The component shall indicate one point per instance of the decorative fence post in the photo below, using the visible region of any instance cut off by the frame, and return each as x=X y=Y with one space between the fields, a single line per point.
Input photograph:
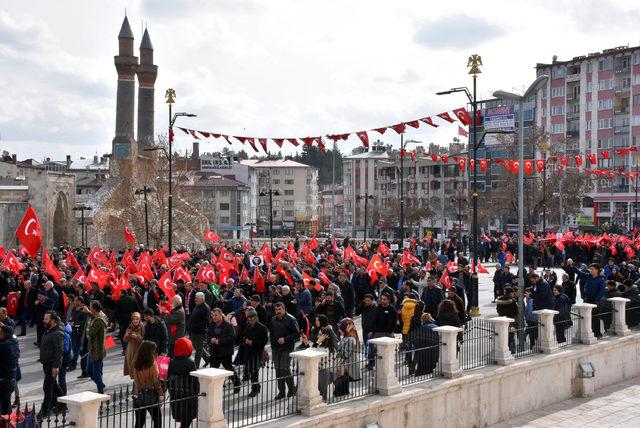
x=83 y=408
x=619 y=305
x=448 y=354
x=386 y=378
x=503 y=353
x=546 y=330
x=309 y=399
x=210 y=414
x=585 y=331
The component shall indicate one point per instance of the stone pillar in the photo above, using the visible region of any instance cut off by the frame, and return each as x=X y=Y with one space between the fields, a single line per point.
x=503 y=353
x=309 y=399
x=448 y=352
x=585 y=331
x=210 y=414
x=547 y=330
x=386 y=378
x=83 y=408
x=619 y=323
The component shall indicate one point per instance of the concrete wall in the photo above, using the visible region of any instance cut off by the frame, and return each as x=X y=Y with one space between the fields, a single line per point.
x=10 y=216
x=486 y=396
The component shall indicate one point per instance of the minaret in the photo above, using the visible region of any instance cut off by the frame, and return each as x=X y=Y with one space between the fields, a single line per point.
x=124 y=144
x=147 y=73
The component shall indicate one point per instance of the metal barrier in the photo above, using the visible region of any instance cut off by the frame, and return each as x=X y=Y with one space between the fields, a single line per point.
x=524 y=341
x=30 y=415
x=633 y=314
x=567 y=331
x=477 y=347
x=418 y=359
x=256 y=398
x=343 y=379
x=176 y=407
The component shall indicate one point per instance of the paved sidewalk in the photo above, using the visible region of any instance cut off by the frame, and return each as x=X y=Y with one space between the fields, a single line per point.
x=615 y=406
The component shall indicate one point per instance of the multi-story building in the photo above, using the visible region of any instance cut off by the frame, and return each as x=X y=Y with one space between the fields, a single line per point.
x=332 y=201
x=591 y=104
x=434 y=193
x=295 y=200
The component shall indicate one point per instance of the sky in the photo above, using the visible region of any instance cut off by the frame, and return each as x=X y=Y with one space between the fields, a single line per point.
x=279 y=68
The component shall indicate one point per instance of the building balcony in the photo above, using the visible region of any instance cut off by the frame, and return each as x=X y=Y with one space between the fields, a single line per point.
x=573 y=133
x=621 y=110
x=572 y=96
x=621 y=129
x=573 y=116
x=620 y=188
x=622 y=69
x=621 y=89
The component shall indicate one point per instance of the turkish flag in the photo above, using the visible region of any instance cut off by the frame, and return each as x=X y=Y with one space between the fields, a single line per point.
x=244 y=275
x=399 y=128
x=109 y=343
x=3 y=252
x=559 y=245
x=592 y=159
x=258 y=280
x=29 y=232
x=182 y=274
x=294 y=142
x=510 y=258
x=507 y=165
x=12 y=304
x=604 y=154
x=446 y=117
x=462 y=162
x=206 y=274
x=129 y=236
x=364 y=138
x=483 y=165
x=267 y=255
x=12 y=262
x=539 y=165
x=306 y=279
x=97 y=276
x=445 y=159
x=481 y=269
x=463 y=116
x=564 y=160
x=515 y=166
x=166 y=285
x=80 y=276
x=280 y=271
x=429 y=121
x=408 y=258
x=578 y=160
x=528 y=166
x=72 y=261
x=445 y=279
x=22 y=251
x=96 y=256
x=383 y=249
x=324 y=278
x=313 y=244
x=613 y=249
x=49 y=268
x=377 y=265
x=263 y=143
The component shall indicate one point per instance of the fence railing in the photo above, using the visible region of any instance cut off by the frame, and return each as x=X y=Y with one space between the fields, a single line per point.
x=477 y=347
x=567 y=330
x=418 y=358
x=632 y=314
x=31 y=414
x=524 y=341
x=261 y=393
x=602 y=321
x=343 y=377
x=175 y=406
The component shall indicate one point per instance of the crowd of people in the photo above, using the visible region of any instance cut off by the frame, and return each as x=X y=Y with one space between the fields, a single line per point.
x=238 y=307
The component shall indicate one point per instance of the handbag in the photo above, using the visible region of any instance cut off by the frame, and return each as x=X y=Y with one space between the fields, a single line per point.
x=163 y=366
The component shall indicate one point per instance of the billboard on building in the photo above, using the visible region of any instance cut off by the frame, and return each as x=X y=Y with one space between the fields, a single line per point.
x=498 y=119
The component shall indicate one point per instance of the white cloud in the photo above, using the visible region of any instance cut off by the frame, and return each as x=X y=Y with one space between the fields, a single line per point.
x=278 y=68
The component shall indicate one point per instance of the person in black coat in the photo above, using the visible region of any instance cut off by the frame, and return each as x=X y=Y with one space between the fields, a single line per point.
x=156 y=331
x=222 y=336
x=348 y=294
x=562 y=319
x=569 y=288
x=125 y=307
x=8 y=368
x=541 y=294
x=199 y=322
x=254 y=338
x=432 y=295
x=183 y=388
x=284 y=335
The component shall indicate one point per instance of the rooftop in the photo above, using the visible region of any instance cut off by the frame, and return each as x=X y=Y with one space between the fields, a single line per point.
x=206 y=179
x=369 y=155
x=620 y=50
x=273 y=163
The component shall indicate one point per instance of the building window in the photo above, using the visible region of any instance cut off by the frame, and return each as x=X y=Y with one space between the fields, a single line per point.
x=289 y=181
x=604 y=206
x=224 y=220
x=224 y=206
x=589 y=86
x=636 y=58
x=558 y=72
x=288 y=171
x=636 y=120
x=605 y=64
x=288 y=203
x=605 y=104
x=288 y=192
x=557 y=128
x=605 y=123
x=288 y=213
x=605 y=84
x=589 y=105
x=604 y=143
x=589 y=67
x=275 y=181
x=557 y=110
x=557 y=92
x=588 y=126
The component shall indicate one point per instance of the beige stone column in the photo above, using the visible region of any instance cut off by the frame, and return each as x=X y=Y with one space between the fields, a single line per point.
x=309 y=399
x=585 y=332
x=448 y=355
x=547 y=330
x=619 y=321
x=83 y=408
x=501 y=326
x=386 y=378
x=210 y=414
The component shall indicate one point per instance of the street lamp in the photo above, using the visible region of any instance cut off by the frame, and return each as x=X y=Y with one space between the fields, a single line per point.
x=144 y=191
x=366 y=198
x=271 y=194
x=474 y=63
x=83 y=232
x=520 y=99
x=170 y=99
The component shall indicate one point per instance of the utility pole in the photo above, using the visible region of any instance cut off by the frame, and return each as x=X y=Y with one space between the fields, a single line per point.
x=402 y=188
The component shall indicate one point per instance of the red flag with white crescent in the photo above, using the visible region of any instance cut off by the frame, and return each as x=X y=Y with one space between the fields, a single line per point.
x=49 y=268
x=129 y=236
x=12 y=262
x=166 y=285
x=29 y=232
x=211 y=236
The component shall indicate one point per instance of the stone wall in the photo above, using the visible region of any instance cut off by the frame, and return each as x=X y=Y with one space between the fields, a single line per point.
x=486 y=396
x=10 y=215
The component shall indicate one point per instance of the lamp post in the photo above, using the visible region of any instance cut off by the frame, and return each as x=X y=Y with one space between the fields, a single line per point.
x=366 y=198
x=520 y=99
x=83 y=232
x=170 y=95
x=474 y=63
x=144 y=191
x=271 y=194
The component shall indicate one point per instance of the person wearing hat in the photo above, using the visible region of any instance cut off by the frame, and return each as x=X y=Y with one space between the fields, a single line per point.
x=183 y=388
x=252 y=342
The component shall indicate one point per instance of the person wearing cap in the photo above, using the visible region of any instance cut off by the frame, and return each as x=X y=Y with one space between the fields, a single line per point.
x=252 y=342
x=183 y=388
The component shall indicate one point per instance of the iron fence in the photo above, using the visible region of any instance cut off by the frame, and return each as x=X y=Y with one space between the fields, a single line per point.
x=176 y=405
x=524 y=341
x=262 y=393
x=343 y=377
x=632 y=313
x=566 y=330
x=602 y=321
x=33 y=415
x=477 y=345
x=418 y=358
